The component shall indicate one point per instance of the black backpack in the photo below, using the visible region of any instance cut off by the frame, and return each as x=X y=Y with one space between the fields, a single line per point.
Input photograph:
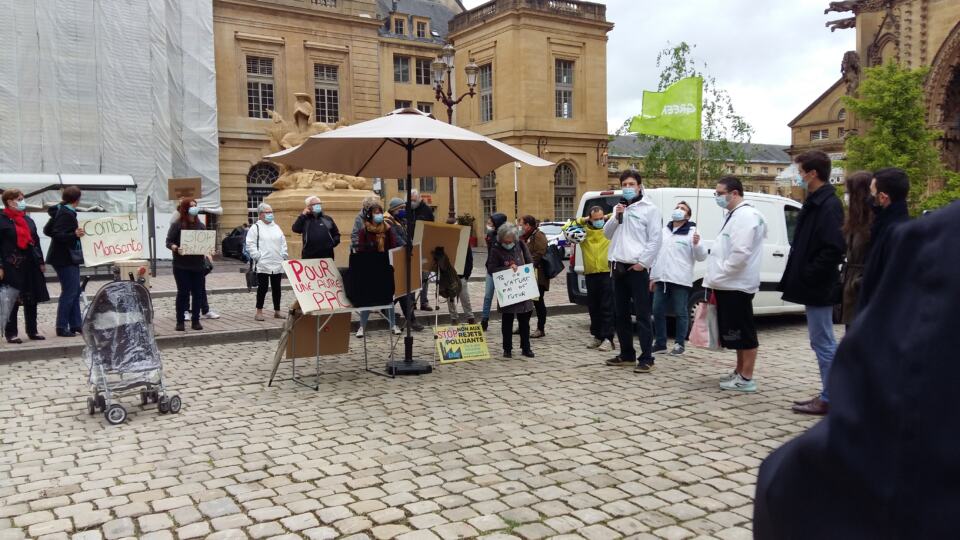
x=552 y=262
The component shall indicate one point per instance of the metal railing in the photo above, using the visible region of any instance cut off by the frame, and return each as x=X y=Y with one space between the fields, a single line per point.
x=569 y=8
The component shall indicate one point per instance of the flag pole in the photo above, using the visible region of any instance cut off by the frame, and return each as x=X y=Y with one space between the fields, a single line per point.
x=699 y=162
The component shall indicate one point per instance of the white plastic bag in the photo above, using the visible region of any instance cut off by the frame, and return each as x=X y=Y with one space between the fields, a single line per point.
x=8 y=299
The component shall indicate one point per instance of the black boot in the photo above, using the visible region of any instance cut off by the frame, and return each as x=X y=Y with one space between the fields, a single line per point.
x=180 y=327
x=484 y=323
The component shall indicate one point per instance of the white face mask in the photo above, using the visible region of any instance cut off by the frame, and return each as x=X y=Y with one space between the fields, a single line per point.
x=846 y=199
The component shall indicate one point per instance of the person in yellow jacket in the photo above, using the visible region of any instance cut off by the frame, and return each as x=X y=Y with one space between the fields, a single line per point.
x=593 y=248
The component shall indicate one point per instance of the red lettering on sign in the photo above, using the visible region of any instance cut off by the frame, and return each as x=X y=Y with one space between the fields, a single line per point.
x=297 y=268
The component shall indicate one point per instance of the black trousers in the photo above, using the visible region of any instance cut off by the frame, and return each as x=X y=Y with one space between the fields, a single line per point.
x=29 y=320
x=541 y=307
x=506 y=330
x=189 y=287
x=600 y=305
x=632 y=297
x=273 y=281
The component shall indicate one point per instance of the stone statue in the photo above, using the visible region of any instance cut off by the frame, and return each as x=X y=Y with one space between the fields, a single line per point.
x=285 y=135
x=841 y=24
x=841 y=7
x=850 y=68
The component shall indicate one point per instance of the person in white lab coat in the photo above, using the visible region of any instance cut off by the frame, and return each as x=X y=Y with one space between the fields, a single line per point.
x=733 y=274
x=267 y=246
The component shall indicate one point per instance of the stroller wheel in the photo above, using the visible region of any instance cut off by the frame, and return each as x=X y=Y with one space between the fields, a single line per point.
x=101 y=402
x=91 y=406
x=163 y=405
x=115 y=414
x=173 y=404
x=154 y=396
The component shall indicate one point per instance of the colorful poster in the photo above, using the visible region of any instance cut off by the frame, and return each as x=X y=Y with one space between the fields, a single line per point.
x=197 y=242
x=109 y=239
x=514 y=287
x=317 y=285
x=461 y=343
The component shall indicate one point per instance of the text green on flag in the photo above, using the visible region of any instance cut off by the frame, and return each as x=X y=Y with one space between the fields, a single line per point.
x=674 y=113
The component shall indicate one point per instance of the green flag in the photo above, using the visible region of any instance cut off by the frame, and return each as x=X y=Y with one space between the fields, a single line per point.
x=674 y=113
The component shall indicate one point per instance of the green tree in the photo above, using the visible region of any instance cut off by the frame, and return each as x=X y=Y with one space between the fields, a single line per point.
x=891 y=107
x=725 y=133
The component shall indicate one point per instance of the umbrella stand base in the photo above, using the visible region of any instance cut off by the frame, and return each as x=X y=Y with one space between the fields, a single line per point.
x=399 y=367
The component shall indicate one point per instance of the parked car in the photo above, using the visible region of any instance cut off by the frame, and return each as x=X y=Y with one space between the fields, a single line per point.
x=233 y=244
x=552 y=230
x=780 y=214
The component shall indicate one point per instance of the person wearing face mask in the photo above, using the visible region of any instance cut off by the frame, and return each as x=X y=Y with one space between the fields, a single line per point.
x=422 y=212
x=596 y=270
x=811 y=277
x=635 y=239
x=537 y=244
x=360 y=221
x=21 y=264
x=396 y=218
x=188 y=270
x=856 y=232
x=378 y=235
x=205 y=310
x=319 y=232
x=511 y=253
x=672 y=277
x=888 y=194
x=733 y=276
x=494 y=221
x=267 y=246
x=65 y=256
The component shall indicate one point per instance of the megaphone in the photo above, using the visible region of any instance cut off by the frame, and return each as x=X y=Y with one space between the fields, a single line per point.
x=218 y=211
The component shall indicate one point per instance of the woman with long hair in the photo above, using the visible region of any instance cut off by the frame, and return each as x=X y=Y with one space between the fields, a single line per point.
x=856 y=231
x=188 y=270
x=65 y=256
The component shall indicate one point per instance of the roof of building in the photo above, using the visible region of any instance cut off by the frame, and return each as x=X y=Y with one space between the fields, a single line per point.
x=438 y=11
x=815 y=102
x=630 y=146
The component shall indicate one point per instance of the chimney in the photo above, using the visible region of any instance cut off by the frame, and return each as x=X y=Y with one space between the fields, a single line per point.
x=395 y=7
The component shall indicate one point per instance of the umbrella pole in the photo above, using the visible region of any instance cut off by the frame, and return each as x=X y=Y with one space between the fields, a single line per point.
x=408 y=366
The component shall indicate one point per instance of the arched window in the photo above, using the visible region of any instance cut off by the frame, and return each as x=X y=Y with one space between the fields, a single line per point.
x=260 y=181
x=488 y=194
x=842 y=115
x=564 y=191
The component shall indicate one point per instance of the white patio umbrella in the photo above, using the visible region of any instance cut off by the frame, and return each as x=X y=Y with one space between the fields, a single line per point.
x=404 y=143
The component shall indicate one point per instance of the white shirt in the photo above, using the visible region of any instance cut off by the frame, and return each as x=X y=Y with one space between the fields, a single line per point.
x=677 y=257
x=268 y=257
x=638 y=239
x=736 y=255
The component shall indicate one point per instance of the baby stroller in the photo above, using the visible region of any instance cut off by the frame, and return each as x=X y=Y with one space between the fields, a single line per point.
x=121 y=351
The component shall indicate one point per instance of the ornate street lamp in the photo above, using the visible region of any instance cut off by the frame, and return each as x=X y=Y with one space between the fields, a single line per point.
x=440 y=69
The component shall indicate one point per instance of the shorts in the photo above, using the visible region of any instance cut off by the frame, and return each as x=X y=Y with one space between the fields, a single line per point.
x=735 y=320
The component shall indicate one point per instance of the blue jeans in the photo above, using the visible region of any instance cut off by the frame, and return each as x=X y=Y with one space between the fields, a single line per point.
x=68 y=307
x=388 y=313
x=488 y=297
x=676 y=297
x=631 y=293
x=822 y=341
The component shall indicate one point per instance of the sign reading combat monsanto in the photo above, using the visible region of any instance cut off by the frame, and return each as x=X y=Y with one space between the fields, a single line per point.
x=109 y=239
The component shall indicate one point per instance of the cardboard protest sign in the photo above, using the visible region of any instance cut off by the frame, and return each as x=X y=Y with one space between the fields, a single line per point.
x=334 y=338
x=317 y=285
x=454 y=239
x=398 y=260
x=461 y=343
x=195 y=242
x=111 y=238
x=515 y=287
x=180 y=188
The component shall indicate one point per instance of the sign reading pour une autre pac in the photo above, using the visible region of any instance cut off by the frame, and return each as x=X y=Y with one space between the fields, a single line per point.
x=109 y=239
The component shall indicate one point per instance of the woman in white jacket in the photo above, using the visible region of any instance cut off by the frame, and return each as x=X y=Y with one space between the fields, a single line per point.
x=672 y=276
x=267 y=247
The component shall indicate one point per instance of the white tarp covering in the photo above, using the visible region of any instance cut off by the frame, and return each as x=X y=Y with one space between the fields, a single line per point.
x=110 y=87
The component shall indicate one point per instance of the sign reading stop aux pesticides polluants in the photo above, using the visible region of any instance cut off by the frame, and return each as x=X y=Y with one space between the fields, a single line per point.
x=111 y=238
x=513 y=287
x=317 y=284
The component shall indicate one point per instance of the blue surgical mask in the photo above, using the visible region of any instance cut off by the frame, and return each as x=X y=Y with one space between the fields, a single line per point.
x=629 y=193
x=268 y=217
x=21 y=205
x=401 y=214
x=598 y=223
x=678 y=215
x=799 y=181
x=722 y=201
x=378 y=218
x=194 y=211
x=318 y=208
x=509 y=246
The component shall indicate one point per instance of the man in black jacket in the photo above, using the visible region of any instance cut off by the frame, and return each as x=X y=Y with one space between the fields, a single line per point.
x=320 y=232
x=812 y=275
x=889 y=189
x=422 y=212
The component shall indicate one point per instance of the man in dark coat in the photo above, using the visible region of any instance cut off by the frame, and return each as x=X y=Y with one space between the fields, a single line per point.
x=889 y=189
x=883 y=464
x=812 y=275
x=422 y=212
x=320 y=232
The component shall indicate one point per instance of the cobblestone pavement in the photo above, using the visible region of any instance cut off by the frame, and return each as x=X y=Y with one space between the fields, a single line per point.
x=557 y=446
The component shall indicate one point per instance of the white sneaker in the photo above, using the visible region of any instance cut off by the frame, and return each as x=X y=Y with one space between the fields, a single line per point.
x=594 y=343
x=360 y=332
x=211 y=315
x=739 y=384
x=606 y=346
x=728 y=377
x=396 y=330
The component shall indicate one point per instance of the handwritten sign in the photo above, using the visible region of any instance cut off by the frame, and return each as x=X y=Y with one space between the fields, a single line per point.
x=193 y=242
x=515 y=287
x=461 y=343
x=317 y=285
x=179 y=188
x=110 y=239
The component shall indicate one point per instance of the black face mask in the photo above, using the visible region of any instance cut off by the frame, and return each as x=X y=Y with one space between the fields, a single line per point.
x=872 y=200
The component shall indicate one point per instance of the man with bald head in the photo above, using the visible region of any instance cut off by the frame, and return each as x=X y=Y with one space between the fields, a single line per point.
x=319 y=231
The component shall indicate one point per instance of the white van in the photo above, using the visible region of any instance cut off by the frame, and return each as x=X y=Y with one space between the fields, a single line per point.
x=780 y=214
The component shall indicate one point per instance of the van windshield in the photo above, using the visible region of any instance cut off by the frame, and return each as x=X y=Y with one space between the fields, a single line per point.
x=607 y=203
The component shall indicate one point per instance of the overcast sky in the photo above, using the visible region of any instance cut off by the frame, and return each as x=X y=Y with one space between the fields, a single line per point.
x=773 y=56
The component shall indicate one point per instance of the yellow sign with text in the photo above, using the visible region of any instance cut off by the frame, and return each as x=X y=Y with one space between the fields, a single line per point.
x=462 y=343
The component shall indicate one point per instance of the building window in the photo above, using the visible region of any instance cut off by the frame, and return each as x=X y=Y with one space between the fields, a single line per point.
x=779 y=169
x=422 y=29
x=428 y=184
x=748 y=170
x=564 y=90
x=840 y=132
x=401 y=104
x=732 y=169
x=819 y=134
x=425 y=107
x=324 y=3
x=326 y=90
x=401 y=184
x=398 y=27
x=486 y=92
x=260 y=181
x=564 y=191
x=259 y=86
x=764 y=170
x=842 y=115
x=614 y=165
x=488 y=195
x=423 y=72
x=401 y=69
